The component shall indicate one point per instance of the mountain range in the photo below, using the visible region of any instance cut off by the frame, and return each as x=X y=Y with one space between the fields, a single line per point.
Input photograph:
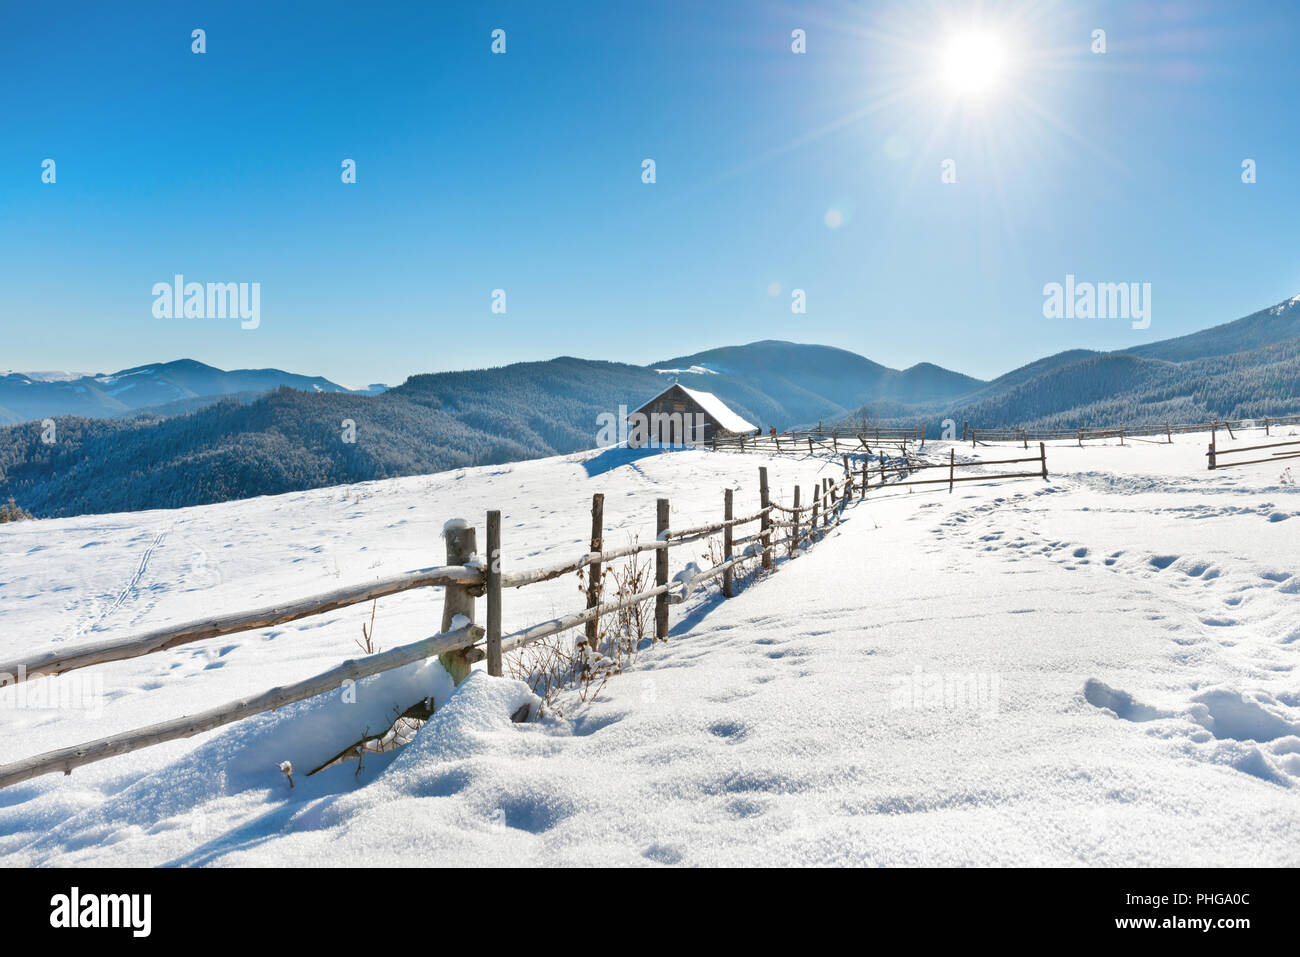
x=183 y=433
x=158 y=387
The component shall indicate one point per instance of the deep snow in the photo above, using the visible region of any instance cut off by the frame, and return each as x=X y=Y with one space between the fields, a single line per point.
x=1099 y=669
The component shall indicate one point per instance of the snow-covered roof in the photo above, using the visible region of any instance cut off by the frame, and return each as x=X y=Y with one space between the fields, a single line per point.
x=720 y=411
x=727 y=420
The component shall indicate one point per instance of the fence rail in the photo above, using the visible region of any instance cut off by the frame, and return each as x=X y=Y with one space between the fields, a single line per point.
x=952 y=465
x=835 y=441
x=61 y=660
x=65 y=759
x=466 y=577
x=1168 y=430
x=1215 y=454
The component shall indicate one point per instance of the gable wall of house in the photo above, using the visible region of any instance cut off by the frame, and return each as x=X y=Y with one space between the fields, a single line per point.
x=676 y=401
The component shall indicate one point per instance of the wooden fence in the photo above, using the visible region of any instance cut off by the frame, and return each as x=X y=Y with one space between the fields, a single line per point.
x=952 y=465
x=466 y=576
x=903 y=464
x=835 y=441
x=1215 y=454
x=1080 y=435
x=460 y=642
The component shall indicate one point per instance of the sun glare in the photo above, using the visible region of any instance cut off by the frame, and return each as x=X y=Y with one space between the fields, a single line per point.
x=973 y=63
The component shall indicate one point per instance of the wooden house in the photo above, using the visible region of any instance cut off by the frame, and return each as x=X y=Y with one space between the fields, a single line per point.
x=682 y=416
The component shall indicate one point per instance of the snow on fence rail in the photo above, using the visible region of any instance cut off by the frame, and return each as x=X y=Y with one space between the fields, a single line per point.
x=161 y=639
x=465 y=577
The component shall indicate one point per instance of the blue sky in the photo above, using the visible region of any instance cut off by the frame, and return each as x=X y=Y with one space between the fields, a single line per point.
x=522 y=172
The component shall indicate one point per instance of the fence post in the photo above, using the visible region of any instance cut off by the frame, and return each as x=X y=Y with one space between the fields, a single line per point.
x=816 y=500
x=493 y=579
x=661 y=570
x=1042 y=454
x=764 y=522
x=835 y=439
x=727 y=577
x=1211 y=453
x=810 y=449
x=595 y=571
x=964 y=424
x=952 y=466
x=1169 y=433
x=826 y=503
x=794 y=531
x=1266 y=425
x=462 y=542
x=881 y=453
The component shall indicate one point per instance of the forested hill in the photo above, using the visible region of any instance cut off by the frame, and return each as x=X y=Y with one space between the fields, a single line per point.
x=1245 y=369
x=161 y=388
x=290 y=439
x=200 y=448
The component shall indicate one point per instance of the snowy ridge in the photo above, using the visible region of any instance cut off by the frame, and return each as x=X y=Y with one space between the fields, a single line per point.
x=1285 y=306
x=692 y=370
x=53 y=376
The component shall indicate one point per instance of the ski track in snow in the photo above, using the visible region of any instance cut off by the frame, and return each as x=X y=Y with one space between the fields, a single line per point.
x=133 y=586
x=1115 y=664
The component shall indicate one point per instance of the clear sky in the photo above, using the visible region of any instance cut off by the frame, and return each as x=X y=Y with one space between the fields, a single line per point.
x=522 y=171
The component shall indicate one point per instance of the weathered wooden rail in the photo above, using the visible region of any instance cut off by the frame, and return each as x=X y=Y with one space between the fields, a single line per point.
x=902 y=463
x=65 y=759
x=1083 y=434
x=814 y=441
x=1215 y=454
x=952 y=465
x=466 y=576
x=60 y=660
x=459 y=644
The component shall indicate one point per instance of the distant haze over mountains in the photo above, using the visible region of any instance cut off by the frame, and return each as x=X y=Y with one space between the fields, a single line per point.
x=183 y=433
x=38 y=395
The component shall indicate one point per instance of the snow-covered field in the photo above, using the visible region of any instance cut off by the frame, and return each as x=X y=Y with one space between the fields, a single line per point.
x=1096 y=669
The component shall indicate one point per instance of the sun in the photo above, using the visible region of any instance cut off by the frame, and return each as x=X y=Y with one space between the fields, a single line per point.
x=973 y=63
